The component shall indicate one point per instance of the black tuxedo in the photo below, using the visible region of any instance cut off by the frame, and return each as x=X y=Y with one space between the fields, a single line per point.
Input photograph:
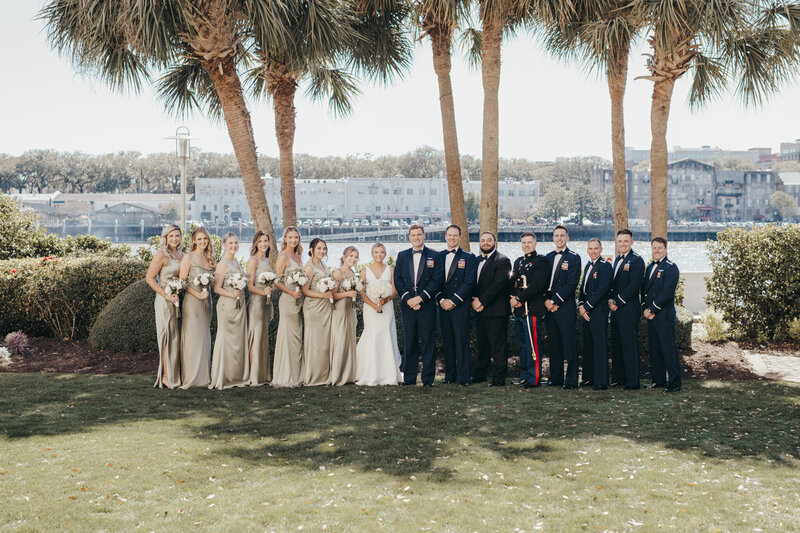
x=458 y=286
x=492 y=291
x=658 y=295
x=561 y=324
x=593 y=296
x=625 y=285
x=419 y=325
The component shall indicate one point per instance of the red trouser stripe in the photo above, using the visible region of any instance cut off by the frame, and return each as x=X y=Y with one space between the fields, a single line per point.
x=534 y=348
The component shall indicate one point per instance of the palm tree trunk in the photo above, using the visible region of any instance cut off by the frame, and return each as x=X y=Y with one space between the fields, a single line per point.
x=659 y=117
x=283 y=100
x=440 y=42
x=617 y=79
x=490 y=70
x=240 y=129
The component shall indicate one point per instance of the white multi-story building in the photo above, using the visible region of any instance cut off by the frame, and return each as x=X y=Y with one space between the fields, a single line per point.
x=400 y=198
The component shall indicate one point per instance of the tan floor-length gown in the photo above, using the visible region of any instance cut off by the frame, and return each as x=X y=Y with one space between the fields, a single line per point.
x=196 y=333
x=317 y=335
x=168 y=330
x=229 y=364
x=259 y=314
x=287 y=370
x=343 y=338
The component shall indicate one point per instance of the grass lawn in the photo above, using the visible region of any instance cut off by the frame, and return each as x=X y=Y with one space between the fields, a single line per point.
x=85 y=452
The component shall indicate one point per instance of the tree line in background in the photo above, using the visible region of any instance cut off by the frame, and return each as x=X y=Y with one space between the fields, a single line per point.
x=214 y=55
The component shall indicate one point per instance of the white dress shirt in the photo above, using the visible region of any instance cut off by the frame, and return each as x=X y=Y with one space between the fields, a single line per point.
x=417 y=258
x=556 y=260
x=447 y=262
x=589 y=273
x=619 y=264
x=482 y=263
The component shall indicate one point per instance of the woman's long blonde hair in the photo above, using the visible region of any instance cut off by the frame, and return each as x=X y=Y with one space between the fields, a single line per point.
x=208 y=253
x=163 y=245
x=347 y=251
x=298 y=250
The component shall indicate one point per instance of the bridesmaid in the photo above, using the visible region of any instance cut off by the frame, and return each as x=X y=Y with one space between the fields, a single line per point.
x=165 y=265
x=343 y=322
x=196 y=316
x=288 y=369
x=259 y=311
x=229 y=364
x=317 y=315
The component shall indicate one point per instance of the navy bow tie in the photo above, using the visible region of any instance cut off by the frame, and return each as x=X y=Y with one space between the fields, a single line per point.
x=561 y=252
x=416 y=251
x=452 y=251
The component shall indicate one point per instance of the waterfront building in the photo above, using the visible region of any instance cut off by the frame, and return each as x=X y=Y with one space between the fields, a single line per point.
x=705 y=154
x=789 y=182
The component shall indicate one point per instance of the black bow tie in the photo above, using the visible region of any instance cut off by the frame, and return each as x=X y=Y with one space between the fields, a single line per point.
x=621 y=256
x=656 y=263
x=561 y=252
x=452 y=251
x=416 y=251
x=482 y=258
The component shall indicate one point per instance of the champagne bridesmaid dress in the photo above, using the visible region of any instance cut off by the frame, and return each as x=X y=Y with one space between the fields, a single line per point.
x=259 y=314
x=317 y=335
x=168 y=330
x=229 y=364
x=343 y=338
x=196 y=333
x=288 y=368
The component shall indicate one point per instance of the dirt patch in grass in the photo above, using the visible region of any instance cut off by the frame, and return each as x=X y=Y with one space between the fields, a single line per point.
x=75 y=356
x=725 y=361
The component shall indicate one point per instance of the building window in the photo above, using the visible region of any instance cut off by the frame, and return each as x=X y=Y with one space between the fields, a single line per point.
x=377 y=209
x=409 y=191
x=385 y=191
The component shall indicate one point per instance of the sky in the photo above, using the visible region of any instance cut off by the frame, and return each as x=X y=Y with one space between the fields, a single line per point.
x=548 y=108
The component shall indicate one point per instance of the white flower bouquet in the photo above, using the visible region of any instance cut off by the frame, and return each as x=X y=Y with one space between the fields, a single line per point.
x=202 y=282
x=296 y=277
x=350 y=284
x=379 y=289
x=174 y=285
x=236 y=282
x=327 y=284
x=266 y=279
x=5 y=356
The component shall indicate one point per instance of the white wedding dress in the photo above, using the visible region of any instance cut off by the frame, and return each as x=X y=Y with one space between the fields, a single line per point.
x=377 y=355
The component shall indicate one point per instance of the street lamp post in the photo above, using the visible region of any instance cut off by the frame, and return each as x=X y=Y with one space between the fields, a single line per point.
x=182 y=149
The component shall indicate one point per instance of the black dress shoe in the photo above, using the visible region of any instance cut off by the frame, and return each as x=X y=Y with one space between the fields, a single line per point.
x=447 y=382
x=656 y=385
x=478 y=380
x=568 y=387
x=495 y=384
x=427 y=384
x=673 y=389
x=464 y=383
x=551 y=384
x=528 y=385
x=587 y=383
x=519 y=382
x=615 y=384
x=630 y=387
x=600 y=387
x=405 y=384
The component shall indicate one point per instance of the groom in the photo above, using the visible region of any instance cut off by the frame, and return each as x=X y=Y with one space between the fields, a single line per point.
x=418 y=278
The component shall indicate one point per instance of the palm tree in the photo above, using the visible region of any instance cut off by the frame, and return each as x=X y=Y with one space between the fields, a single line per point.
x=751 y=41
x=438 y=20
x=322 y=36
x=201 y=42
x=600 y=35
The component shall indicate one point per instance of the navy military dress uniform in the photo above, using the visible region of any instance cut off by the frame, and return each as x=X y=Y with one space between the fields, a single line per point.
x=593 y=297
x=492 y=290
x=627 y=280
x=529 y=279
x=658 y=295
x=419 y=327
x=566 y=273
x=458 y=286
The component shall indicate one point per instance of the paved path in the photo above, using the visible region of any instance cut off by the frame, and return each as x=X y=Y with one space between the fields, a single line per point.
x=778 y=367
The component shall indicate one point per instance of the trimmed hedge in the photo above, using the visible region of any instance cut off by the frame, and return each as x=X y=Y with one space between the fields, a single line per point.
x=755 y=280
x=61 y=297
x=128 y=322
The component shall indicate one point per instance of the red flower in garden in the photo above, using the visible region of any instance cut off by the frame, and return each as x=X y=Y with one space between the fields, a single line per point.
x=13 y=270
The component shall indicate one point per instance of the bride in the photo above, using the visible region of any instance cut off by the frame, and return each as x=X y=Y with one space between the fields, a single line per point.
x=377 y=355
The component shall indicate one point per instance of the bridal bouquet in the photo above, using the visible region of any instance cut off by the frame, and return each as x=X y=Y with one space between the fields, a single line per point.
x=266 y=278
x=237 y=282
x=202 y=282
x=350 y=284
x=327 y=284
x=379 y=289
x=296 y=277
x=174 y=286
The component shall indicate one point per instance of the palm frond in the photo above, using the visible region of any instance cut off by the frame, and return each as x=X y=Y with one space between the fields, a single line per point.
x=709 y=80
x=186 y=87
x=338 y=86
x=471 y=41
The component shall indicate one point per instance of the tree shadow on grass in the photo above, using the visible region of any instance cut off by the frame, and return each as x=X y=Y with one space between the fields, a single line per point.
x=404 y=431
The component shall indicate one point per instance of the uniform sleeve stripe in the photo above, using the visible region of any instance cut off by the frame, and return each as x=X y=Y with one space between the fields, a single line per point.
x=657 y=307
x=621 y=300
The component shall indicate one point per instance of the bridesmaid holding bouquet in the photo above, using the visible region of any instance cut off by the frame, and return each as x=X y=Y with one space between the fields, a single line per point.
x=288 y=370
x=163 y=270
x=229 y=363
x=317 y=314
x=197 y=270
x=343 y=319
x=259 y=312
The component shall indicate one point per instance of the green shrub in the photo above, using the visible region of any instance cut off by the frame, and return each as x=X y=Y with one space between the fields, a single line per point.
x=714 y=324
x=61 y=296
x=128 y=323
x=755 y=280
x=794 y=330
